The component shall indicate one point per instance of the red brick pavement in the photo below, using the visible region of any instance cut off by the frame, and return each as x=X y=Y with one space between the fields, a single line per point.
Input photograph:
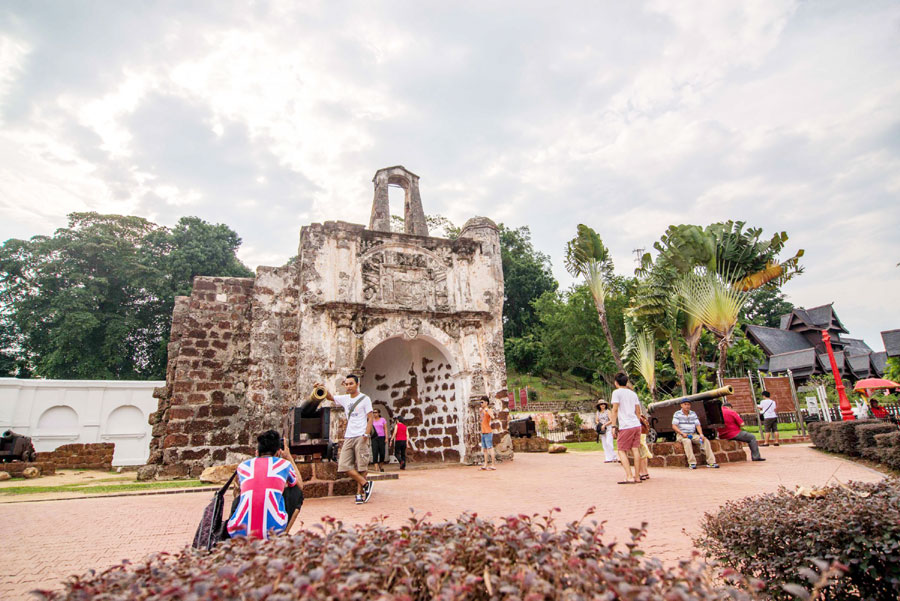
x=56 y=538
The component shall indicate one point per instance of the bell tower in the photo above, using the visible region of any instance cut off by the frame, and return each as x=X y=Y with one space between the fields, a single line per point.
x=413 y=215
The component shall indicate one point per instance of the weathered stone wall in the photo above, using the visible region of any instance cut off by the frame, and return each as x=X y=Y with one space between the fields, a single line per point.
x=243 y=351
x=94 y=456
x=203 y=411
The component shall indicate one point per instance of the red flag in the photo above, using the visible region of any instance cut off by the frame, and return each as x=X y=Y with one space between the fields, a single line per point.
x=512 y=401
x=523 y=397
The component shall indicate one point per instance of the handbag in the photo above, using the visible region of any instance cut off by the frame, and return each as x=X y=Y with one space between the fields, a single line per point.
x=211 y=529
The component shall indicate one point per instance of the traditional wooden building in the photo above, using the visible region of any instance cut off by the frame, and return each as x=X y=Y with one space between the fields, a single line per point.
x=797 y=346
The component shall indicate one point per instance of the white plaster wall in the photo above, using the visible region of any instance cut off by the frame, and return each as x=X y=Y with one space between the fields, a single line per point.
x=58 y=412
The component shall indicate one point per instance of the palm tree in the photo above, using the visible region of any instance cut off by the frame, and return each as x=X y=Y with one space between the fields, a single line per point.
x=640 y=352
x=587 y=257
x=715 y=302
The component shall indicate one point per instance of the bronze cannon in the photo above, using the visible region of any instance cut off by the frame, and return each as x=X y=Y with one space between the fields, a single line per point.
x=707 y=405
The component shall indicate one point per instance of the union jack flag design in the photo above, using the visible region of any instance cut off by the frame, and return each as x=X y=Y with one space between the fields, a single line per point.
x=261 y=505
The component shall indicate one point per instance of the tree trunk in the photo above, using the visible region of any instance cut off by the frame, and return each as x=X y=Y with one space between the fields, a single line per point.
x=601 y=312
x=679 y=364
x=695 y=365
x=723 y=357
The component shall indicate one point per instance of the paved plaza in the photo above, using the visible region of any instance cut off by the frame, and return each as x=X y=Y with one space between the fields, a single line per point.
x=53 y=539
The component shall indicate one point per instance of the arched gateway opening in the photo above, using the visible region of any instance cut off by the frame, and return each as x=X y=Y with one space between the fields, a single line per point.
x=415 y=379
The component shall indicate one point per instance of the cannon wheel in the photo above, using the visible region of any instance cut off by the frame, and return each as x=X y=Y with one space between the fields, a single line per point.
x=652 y=436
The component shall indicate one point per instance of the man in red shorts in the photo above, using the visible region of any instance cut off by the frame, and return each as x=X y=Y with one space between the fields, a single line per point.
x=625 y=415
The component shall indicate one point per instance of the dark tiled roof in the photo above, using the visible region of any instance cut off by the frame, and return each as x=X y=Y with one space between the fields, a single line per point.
x=838 y=358
x=879 y=362
x=777 y=342
x=859 y=365
x=785 y=320
x=856 y=346
x=803 y=362
x=891 y=340
x=820 y=318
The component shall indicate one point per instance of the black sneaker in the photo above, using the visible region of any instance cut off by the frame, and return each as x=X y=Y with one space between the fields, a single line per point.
x=759 y=459
x=360 y=499
x=367 y=491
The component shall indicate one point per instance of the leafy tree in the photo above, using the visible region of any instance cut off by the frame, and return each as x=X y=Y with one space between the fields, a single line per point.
x=571 y=336
x=526 y=276
x=765 y=306
x=94 y=301
x=588 y=257
x=892 y=369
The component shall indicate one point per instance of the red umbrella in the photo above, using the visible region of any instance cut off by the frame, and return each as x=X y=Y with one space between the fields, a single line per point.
x=874 y=384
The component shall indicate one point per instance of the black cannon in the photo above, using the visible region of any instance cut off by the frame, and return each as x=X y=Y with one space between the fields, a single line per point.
x=522 y=428
x=15 y=447
x=707 y=405
x=308 y=430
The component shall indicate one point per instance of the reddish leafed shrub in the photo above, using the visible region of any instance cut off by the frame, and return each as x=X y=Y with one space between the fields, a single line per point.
x=775 y=537
x=522 y=557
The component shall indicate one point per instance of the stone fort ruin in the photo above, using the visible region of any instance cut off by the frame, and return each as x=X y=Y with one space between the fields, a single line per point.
x=418 y=318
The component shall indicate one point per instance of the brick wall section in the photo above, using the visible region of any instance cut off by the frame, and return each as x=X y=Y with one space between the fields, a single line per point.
x=320 y=479
x=94 y=456
x=16 y=468
x=742 y=399
x=274 y=348
x=780 y=389
x=203 y=415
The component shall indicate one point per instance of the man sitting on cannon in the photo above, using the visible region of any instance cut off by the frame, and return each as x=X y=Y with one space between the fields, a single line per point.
x=687 y=427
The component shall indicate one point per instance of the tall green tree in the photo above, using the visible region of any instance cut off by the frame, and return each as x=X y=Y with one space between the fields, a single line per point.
x=94 y=301
x=765 y=306
x=526 y=276
x=588 y=257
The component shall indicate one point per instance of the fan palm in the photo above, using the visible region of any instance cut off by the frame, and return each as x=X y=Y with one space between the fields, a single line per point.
x=712 y=300
x=587 y=257
x=640 y=352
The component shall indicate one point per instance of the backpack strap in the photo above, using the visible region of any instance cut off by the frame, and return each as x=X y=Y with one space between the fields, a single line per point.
x=224 y=489
x=353 y=407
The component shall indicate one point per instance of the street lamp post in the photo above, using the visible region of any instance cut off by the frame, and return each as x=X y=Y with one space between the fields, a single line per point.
x=846 y=409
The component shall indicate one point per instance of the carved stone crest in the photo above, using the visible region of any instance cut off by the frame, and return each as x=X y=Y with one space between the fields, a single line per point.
x=411 y=327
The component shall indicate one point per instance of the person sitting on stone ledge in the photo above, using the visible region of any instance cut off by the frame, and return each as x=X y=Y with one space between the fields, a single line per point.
x=732 y=431
x=261 y=509
x=687 y=427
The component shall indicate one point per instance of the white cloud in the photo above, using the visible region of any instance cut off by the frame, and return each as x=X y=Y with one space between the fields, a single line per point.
x=624 y=116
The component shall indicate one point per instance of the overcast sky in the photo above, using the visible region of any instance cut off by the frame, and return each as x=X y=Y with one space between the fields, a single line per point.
x=625 y=116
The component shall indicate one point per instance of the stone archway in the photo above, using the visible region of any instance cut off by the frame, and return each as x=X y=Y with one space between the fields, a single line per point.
x=415 y=379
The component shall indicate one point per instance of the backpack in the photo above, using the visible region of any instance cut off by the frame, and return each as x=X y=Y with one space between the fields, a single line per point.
x=211 y=529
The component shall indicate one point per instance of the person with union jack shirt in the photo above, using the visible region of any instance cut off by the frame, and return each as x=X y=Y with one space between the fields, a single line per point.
x=261 y=510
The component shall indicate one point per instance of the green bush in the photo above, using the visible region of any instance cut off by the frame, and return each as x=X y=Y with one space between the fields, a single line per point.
x=866 y=432
x=774 y=537
x=518 y=557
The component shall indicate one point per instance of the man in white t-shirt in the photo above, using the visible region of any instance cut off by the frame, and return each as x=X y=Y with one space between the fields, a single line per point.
x=356 y=451
x=770 y=418
x=625 y=419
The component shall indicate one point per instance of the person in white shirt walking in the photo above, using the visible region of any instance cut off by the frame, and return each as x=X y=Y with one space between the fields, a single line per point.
x=356 y=452
x=625 y=420
x=770 y=418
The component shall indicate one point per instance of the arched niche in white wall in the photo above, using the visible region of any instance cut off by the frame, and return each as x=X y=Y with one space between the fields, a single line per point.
x=57 y=425
x=126 y=427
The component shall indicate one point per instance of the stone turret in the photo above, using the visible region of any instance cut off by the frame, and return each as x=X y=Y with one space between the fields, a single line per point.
x=413 y=215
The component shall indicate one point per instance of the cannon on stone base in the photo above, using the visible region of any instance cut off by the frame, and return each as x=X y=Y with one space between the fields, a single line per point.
x=15 y=447
x=522 y=428
x=707 y=405
x=308 y=430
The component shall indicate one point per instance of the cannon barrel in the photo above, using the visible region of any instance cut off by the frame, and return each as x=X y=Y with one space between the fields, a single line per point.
x=700 y=396
x=310 y=406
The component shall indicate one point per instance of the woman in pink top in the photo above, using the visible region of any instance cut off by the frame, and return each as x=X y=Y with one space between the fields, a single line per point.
x=379 y=436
